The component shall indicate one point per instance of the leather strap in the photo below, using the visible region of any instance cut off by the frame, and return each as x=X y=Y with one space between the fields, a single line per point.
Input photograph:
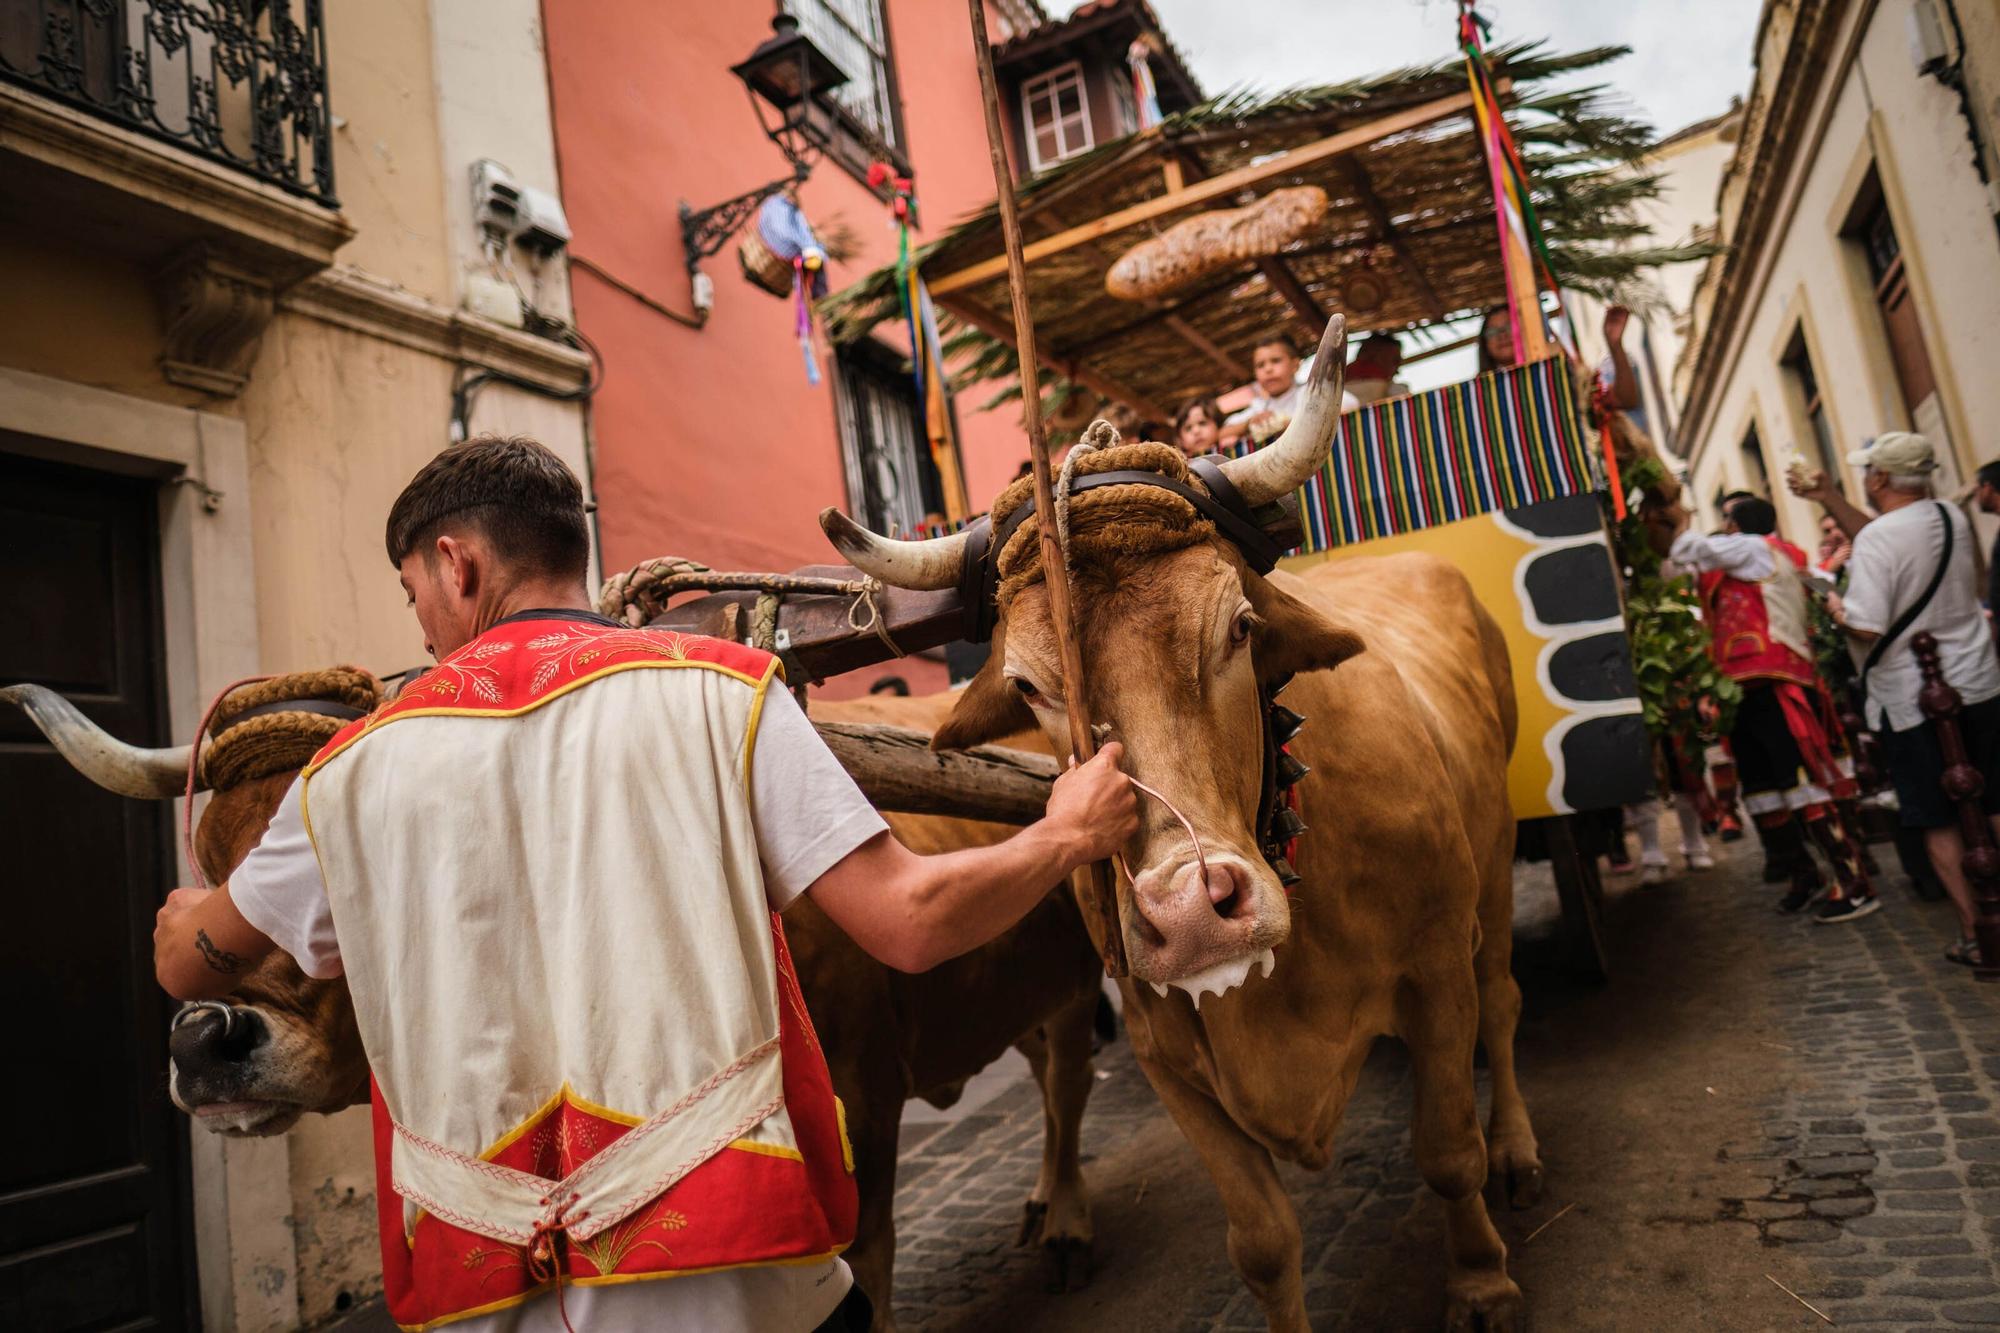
x=1909 y=617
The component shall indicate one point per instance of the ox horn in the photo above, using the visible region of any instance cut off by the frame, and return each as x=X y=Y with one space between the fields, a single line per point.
x=924 y=566
x=1283 y=465
x=129 y=770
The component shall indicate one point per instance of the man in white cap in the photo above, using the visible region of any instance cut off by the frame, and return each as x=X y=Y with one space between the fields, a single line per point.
x=1912 y=571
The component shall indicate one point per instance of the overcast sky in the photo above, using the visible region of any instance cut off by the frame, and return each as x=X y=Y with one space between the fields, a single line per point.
x=1688 y=57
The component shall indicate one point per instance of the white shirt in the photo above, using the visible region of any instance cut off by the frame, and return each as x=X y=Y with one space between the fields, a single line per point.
x=1894 y=558
x=1741 y=555
x=808 y=815
x=1284 y=405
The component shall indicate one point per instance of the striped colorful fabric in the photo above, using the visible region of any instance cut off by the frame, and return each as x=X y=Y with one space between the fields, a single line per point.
x=1500 y=441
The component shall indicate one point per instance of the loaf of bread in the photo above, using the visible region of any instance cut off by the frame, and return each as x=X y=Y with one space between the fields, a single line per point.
x=1200 y=245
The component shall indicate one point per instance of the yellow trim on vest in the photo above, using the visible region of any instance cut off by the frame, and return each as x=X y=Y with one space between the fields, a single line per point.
x=768 y=1149
x=373 y=726
x=757 y=715
x=618 y=1279
x=840 y=1119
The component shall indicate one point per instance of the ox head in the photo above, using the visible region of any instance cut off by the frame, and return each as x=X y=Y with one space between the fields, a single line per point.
x=1177 y=637
x=284 y=1043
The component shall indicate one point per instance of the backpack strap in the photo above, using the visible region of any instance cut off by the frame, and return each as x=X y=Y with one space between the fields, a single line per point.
x=1909 y=617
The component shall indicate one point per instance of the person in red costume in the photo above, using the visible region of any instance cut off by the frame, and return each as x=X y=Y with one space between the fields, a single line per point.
x=1755 y=603
x=552 y=871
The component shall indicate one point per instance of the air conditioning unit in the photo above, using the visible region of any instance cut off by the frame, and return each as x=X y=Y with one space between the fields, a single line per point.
x=496 y=200
x=540 y=225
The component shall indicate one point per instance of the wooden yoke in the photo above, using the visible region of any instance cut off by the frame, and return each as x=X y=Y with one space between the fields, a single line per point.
x=1963 y=784
x=1102 y=899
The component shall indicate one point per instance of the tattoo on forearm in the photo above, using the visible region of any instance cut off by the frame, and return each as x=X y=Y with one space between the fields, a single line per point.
x=221 y=960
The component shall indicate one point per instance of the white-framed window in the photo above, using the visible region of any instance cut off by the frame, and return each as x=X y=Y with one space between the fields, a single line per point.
x=852 y=32
x=1056 y=115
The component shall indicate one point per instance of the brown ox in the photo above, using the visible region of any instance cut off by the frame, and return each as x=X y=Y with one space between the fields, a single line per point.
x=1401 y=924
x=289 y=1044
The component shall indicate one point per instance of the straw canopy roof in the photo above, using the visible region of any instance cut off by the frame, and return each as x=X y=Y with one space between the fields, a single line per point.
x=1409 y=236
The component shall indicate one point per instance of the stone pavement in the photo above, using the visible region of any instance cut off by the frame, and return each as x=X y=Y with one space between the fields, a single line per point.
x=1751 y=1100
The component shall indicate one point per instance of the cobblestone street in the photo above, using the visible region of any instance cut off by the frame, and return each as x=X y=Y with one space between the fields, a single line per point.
x=1750 y=1100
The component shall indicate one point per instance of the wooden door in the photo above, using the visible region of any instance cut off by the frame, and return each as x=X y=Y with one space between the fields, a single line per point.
x=94 y=1222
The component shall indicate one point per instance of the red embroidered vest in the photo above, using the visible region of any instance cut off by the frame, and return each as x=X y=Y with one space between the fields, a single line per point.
x=1758 y=629
x=736 y=1202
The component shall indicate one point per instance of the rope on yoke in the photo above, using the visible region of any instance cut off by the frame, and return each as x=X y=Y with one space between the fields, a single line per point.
x=641 y=594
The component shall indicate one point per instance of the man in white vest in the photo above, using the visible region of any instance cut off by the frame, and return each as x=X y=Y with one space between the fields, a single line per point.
x=552 y=871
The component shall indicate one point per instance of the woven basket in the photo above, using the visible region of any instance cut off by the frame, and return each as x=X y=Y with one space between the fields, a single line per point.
x=761 y=267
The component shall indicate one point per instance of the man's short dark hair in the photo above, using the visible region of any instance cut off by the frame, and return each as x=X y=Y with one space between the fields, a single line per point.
x=1734 y=496
x=1754 y=515
x=1989 y=474
x=512 y=490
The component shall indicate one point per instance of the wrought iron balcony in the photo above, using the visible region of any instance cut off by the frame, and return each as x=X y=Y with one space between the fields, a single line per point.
x=239 y=82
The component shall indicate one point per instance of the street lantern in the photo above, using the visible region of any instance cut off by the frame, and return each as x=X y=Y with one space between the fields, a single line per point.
x=792 y=76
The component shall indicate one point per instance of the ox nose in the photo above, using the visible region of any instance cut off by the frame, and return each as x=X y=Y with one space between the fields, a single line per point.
x=211 y=1040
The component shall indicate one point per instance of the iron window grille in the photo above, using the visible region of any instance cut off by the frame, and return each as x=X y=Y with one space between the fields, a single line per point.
x=855 y=36
x=239 y=82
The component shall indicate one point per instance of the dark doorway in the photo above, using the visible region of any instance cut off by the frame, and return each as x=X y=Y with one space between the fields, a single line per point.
x=94 y=1221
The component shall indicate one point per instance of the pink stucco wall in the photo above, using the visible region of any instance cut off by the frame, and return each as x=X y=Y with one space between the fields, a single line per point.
x=710 y=443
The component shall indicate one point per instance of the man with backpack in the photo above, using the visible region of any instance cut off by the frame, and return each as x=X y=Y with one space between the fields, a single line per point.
x=1913 y=570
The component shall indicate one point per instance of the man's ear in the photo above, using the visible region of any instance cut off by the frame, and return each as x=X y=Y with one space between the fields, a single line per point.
x=1292 y=637
x=460 y=568
x=988 y=708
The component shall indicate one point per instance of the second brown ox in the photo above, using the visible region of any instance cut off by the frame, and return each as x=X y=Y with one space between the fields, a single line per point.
x=287 y=1044
x=1402 y=922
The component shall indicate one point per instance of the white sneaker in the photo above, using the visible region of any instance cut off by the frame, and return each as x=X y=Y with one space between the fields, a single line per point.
x=1652 y=874
x=1699 y=860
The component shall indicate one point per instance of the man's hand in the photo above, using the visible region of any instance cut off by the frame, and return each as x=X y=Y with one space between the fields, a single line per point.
x=1814 y=486
x=913 y=912
x=1615 y=319
x=1094 y=805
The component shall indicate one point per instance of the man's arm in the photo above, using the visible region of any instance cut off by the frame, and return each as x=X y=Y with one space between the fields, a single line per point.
x=914 y=912
x=202 y=946
x=1624 y=384
x=1819 y=488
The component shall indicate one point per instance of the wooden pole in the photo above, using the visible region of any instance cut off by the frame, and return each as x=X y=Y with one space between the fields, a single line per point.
x=1103 y=895
x=1963 y=783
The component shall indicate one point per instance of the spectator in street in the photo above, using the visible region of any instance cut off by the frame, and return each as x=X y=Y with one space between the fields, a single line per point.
x=1198 y=428
x=1371 y=376
x=1913 y=571
x=1836 y=548
x=1986 y=494
x=1755 y=603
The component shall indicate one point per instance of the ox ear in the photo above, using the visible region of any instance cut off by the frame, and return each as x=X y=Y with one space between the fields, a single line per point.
x=988 y=708
x=1293 y=636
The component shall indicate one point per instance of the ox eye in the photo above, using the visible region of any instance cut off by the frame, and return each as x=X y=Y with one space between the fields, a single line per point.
x=1239 y=629
x=1026 y=687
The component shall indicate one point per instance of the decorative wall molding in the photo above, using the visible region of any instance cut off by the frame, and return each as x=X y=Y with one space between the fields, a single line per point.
x=212 y=312
x=350 y=299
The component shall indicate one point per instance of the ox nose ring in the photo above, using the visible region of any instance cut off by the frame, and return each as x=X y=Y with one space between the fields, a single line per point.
x=192 y=1007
